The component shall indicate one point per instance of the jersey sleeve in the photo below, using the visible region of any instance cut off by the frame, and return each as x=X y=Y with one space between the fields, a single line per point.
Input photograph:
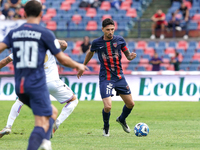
x=123 y=45
x=52 y=43
x=93 y=46
x=7 y=40
x=11 y=56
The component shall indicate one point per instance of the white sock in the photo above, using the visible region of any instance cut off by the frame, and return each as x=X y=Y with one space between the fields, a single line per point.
x=66 y=111
x=14 y=112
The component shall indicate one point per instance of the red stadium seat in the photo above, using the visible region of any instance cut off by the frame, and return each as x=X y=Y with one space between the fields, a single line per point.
x=129 y=1
x=92 y=25
x=170 y=67
x=46 y=18
x=144 y=62
x=91 y=12
x=131 y=13
x=149 y=51
x=116 y=25
x=165 y=60
x=141 y=45
x=105 y=5
x=125 y=5
x=51 y=25
x=43 y=1
x=170 y=50
x=76 y=18
x=51 y=12
x=78 y=43
x=106 y=16
x=65 y=6
x=188 y=4
x=196 y=56
x=70 y=1
x=198 y=45
x=196 y=17
x=76 y=50
x=149 y=67
x=182 y=45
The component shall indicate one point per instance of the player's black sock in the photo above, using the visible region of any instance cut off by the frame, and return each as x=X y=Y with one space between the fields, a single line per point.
x=125 y=112
x=35 y=140
x=106 y=117
x=48 y=134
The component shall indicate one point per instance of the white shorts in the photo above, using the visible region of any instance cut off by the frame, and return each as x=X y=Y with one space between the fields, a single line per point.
x=60 y=91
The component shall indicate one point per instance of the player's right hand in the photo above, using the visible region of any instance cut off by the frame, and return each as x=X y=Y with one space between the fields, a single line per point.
x=81 y=68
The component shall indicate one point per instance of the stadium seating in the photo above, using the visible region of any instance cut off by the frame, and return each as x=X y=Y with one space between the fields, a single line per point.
x=105 y=5
x=92 y=25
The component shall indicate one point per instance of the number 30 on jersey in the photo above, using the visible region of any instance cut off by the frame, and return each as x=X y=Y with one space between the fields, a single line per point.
x=28 y=54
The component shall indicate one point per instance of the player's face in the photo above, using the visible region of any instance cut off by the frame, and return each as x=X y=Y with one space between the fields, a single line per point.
x=108 y=32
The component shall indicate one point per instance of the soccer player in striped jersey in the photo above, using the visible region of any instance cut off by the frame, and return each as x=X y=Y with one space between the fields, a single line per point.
x=108 y=47
x=29 y=44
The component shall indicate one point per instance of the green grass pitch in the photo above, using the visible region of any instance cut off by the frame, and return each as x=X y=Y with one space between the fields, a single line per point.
x=173 y=126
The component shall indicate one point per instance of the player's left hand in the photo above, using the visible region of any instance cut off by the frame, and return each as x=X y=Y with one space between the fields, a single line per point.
x=132 y=56
x=81 y=68
x=63 y=44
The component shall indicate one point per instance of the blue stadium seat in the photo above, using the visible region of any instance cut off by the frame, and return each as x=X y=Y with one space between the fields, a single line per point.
x=181 y=51
x=152 y=44
x=121 y=12
x=166 y=56
x=136 y=60
x=183 y=67
x=123 y=26
x=86 y=18
x=172 y=44
x=193 y=68
x=131 y=67
x=192 y=44
x=101 y=12
x=82 y=25
x=192 y=25
x=194 y=62
x=82 y=12
x=198 y=50
x=5 y=69
x=141 y=68
x=67 y=69
x=112 y=11
x=163 y=68
x=162 y=45
x=147 y=56
x=131 y=45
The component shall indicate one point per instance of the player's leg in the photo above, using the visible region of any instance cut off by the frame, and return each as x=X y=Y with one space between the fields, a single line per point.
x=106 y=93
x=64 y=95
x=123 y=90
x=40 y=104
x=14 y=112
x=106 y=115
x=66 y=111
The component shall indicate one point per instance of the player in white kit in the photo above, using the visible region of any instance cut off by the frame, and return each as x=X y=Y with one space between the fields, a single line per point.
x=57 y=88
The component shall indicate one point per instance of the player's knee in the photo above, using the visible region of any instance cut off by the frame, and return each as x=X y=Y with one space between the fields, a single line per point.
x=107 y=109
x=130 y=105
x=54 y=112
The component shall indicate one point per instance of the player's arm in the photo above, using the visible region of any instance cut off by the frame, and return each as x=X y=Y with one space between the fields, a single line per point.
x=88 y=56
x=5 y=61
x=63 y=44
x=3 y=46
x=129 y=56
x=68 y=62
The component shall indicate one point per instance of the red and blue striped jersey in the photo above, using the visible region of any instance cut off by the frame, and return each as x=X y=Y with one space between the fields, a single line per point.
x=109 y=54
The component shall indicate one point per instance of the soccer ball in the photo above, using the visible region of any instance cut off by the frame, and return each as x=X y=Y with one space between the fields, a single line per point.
x=141 y=129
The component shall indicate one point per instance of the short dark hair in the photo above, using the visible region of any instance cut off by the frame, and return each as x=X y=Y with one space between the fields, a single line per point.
x=33 y=8
x=107 y=21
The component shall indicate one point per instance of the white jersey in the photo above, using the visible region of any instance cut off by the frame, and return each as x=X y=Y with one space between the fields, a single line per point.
x=50 y=67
